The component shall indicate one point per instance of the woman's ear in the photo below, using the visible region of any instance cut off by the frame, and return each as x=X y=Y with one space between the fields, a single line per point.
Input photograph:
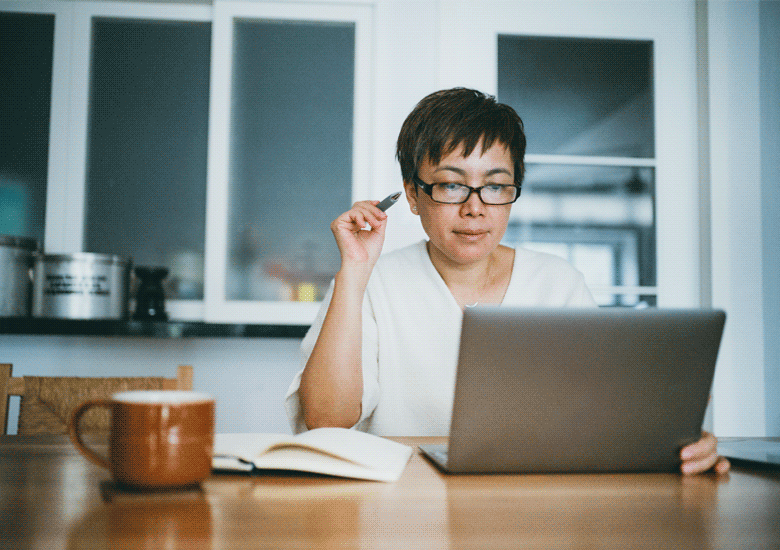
x=411 y=196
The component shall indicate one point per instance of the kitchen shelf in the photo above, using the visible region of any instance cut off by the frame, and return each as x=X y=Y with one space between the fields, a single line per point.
x=147 y=329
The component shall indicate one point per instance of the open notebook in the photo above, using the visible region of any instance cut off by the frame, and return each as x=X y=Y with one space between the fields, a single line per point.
x=579 y=390
x=331 y=451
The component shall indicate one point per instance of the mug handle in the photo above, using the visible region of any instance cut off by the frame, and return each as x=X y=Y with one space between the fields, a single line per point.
x=75 y=434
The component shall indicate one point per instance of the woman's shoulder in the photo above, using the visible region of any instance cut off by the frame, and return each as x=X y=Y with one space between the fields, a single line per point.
x=413 y=254
x=542 y=279
x=406 y=270
x=525 y=257
x=546 y=268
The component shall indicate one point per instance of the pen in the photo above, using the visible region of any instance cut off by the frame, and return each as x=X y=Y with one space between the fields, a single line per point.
x=389 y=201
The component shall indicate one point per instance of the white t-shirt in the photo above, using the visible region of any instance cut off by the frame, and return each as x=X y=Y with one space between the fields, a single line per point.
x=411 y=333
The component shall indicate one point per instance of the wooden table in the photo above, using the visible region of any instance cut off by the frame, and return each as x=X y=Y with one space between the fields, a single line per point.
x=50 y=497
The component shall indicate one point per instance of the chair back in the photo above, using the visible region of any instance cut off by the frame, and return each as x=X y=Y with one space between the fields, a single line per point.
x=48 y=401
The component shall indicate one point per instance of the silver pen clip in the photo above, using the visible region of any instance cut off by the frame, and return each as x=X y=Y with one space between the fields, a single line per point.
x=389 y=201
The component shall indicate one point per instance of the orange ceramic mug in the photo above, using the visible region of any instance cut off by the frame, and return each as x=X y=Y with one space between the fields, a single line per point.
x=158 y=439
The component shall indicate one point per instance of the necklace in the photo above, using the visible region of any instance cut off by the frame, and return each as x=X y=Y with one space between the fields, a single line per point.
x=484 y=286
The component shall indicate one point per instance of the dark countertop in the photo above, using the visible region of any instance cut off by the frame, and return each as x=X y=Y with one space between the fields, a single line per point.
x=153 y=329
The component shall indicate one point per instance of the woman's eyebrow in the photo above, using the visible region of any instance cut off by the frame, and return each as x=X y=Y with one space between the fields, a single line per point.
x=455 y=169
x=498 y=171
x=462 y=172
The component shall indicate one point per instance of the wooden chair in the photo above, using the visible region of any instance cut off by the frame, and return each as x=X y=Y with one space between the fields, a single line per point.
x=47 y=402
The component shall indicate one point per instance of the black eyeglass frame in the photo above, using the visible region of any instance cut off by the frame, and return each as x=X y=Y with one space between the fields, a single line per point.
x=428 y=188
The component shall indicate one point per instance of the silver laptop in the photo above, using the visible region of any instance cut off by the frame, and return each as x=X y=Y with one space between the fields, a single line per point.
x=752 y=451
x=579 y=390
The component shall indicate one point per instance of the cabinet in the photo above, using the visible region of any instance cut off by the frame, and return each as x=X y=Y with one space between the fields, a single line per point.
x=218 y=141
x=298 y=108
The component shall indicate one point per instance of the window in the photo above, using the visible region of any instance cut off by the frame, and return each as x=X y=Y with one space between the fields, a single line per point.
x=656 y=49
x=587 y=108
x=147 y=145
x=291 y=157
x=27 y=44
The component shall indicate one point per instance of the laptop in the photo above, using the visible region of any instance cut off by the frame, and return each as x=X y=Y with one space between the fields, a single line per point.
x=579 y=390
x=752 y=451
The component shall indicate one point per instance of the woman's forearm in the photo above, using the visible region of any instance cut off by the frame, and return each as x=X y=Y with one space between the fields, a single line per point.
x=331 y=387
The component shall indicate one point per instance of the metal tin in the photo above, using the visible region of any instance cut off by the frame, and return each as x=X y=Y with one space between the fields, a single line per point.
x=17 y=255
x=81 y=286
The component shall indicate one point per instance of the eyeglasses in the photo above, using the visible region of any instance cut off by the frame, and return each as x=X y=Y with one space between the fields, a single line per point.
x=457 y=193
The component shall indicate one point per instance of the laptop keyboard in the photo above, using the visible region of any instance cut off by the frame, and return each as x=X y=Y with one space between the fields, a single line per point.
x=437 y=452
x=441 y=455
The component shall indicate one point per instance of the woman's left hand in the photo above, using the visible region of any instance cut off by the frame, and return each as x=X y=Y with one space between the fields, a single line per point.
x=703 y=456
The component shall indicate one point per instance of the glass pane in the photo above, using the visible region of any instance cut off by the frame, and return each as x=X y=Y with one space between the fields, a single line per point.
x=291 y=156
x=26 y=53
x=638 y=301
x=580 y=96
x=599 y=218
x=147 y=140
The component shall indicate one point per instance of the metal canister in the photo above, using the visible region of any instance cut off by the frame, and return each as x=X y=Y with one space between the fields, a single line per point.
x=81 y=286
x=17 y=255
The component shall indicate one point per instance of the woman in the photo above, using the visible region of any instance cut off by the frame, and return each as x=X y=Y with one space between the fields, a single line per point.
x=381 y=354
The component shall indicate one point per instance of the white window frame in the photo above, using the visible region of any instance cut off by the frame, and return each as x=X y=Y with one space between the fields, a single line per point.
x=217 y=307
x=75 y=215
x=472 y=60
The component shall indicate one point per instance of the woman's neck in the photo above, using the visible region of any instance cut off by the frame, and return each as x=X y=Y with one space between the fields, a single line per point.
x=481 y=282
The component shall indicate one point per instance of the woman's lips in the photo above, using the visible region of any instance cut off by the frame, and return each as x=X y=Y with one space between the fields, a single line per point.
x=470 y=234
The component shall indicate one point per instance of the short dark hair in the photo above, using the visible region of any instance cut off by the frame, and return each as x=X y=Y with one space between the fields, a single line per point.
x=446 y=119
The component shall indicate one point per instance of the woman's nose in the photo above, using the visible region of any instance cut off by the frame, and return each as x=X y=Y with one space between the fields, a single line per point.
x=473 y=205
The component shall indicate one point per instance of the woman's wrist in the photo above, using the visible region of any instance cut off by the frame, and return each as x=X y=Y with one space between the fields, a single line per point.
x=354 y=277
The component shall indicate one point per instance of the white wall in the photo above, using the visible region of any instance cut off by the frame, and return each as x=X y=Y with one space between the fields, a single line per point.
x=404 y=72
x=739 y=245
x=247 y=376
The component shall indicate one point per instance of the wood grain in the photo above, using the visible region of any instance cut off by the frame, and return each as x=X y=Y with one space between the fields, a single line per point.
x=51 y=497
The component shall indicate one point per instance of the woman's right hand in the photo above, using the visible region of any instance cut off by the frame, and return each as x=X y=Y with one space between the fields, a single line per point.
x=360 y=233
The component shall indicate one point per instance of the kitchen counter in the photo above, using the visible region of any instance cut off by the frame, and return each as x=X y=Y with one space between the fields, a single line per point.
x=148 y=329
